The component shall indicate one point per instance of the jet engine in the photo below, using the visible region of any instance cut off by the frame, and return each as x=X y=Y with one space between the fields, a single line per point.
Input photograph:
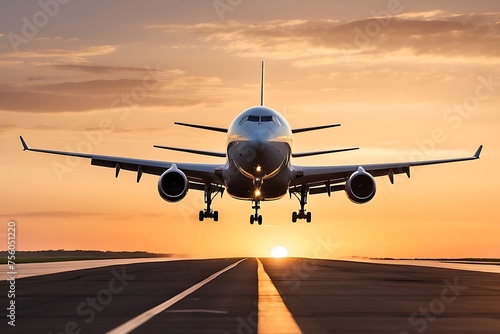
x=360 y=187
x=173 y=184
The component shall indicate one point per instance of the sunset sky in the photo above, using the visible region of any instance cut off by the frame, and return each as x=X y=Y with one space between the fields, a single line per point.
x=408 y=80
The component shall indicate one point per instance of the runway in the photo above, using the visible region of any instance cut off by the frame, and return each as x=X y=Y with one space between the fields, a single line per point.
x=292 y=295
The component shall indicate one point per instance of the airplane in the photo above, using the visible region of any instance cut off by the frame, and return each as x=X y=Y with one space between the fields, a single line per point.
x=258 y=166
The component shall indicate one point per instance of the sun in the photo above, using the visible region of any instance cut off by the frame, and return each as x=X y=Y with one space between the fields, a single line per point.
x=279 y=251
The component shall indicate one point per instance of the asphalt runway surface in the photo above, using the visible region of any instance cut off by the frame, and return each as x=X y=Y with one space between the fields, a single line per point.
x=237 y=296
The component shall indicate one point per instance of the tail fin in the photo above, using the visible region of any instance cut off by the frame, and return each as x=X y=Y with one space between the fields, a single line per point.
x=262 y=84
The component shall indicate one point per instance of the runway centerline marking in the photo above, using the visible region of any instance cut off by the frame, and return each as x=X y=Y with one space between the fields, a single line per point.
x=274 y=316
x=146 y=316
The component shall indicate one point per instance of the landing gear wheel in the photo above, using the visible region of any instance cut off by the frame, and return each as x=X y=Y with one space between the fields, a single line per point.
x=256 y=217
x=210 y=192
x=301 y=194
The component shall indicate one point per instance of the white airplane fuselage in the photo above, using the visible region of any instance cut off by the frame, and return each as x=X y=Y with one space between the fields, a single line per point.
x=259 y=147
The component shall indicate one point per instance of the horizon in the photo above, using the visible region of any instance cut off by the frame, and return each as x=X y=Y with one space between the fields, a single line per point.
x=407 y=81
x=169 y=254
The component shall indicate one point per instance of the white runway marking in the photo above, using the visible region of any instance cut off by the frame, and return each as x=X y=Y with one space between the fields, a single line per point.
x=455 y=265
x=144 y=317
x=46 y=268
x=274 y=316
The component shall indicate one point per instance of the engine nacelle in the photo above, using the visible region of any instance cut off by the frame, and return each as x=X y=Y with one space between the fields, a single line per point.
x=361 y=187
x=173 y=185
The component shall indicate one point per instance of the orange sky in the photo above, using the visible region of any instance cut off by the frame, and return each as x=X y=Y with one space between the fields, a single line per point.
x=408 y=80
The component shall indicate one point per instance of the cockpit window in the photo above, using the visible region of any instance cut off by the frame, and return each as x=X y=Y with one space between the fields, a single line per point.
x=259 y=119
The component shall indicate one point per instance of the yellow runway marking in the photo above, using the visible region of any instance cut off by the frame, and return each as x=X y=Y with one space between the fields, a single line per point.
x=274 y=316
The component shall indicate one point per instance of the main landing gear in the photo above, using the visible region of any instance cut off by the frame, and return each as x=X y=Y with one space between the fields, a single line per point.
x=256 y=217
x=210 y=194
x=301 y=195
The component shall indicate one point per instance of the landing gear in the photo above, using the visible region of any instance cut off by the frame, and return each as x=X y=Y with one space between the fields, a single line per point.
x=208 y=214
x=256 y=217
x=210 y=194
x=301 y=195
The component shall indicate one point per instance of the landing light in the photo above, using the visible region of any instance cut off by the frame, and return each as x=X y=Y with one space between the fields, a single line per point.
x=258 y=168
x=257 y=193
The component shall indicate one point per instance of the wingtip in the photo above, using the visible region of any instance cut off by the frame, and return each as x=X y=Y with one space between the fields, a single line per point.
x=478 y=152
x=25 y=146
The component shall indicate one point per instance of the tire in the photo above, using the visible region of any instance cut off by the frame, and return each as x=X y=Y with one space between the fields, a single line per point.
x=251 y=220
x=308 y=217
x=201 y=216
x=294 y=217
x=216 y=216
x=260 y=220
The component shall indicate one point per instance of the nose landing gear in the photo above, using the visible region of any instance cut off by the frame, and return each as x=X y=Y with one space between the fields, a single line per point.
x=256 y=217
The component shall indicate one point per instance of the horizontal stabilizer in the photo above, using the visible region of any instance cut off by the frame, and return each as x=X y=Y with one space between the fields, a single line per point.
x=312 y=128
x=212 y=154
x=204 y=127
x=307 y=154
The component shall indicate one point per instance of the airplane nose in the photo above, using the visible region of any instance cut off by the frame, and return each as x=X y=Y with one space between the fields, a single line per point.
x=260 y=136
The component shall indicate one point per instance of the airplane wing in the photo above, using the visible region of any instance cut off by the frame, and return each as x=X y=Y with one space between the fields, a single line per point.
x=331 y=178
x=313 y=128
x=187 y=150
x=308 y=154
x=204 y=127
x=197 y=174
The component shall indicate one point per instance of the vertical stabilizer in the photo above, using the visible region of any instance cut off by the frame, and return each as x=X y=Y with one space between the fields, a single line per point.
x=262 y=84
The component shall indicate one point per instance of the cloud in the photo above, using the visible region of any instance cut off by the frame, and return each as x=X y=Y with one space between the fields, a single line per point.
x=91 y=87
x=434 y=36
x=99 y=69
x=9 y=63
x=38 y=78
x=117 y=129
x=75 y=56
x=425 y=15
x=7 y=127
x=164 y=91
